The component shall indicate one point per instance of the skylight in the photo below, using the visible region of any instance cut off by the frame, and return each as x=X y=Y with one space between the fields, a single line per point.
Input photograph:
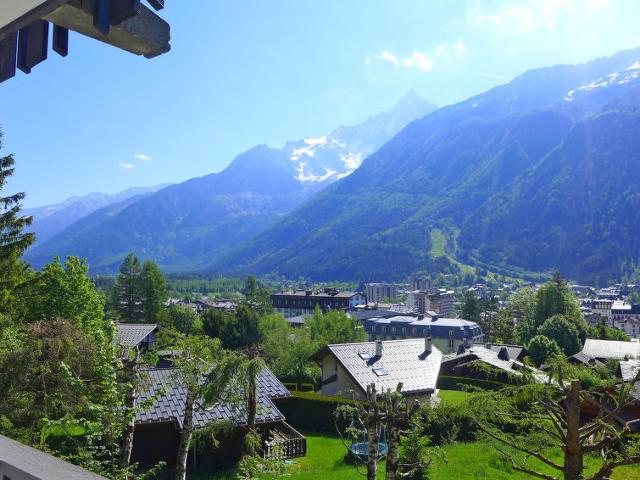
x=365 y=356
x=380 y=371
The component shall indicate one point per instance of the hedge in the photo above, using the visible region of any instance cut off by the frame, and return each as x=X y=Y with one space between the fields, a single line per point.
x=311 y=411
x=456 y=383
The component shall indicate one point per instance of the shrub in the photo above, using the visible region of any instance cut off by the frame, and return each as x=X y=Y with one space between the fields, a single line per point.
x=311 y=411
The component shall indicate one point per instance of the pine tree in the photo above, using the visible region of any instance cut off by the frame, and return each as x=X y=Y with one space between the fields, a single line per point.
x=154 y=291
x=128 y=294
x=13 y=242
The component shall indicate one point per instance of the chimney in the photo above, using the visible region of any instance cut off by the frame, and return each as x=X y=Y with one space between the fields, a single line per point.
x=503 y=354
x=427 y=344
x=378 y=348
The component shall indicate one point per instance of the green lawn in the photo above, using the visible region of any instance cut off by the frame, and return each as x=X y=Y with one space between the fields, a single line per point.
x=326 y=460
x=453 y=397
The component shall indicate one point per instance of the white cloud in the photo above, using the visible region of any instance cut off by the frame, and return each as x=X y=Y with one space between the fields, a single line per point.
x=418 y=60
x=143 y=157
x=126 y=166
x=456 y=49
x=537 y=15
x=421 y=60
x=493 y=75
x=385 y=56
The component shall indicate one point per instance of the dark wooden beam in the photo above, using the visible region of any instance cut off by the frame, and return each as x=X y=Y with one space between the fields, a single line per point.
x=122 y=10
x=8 y=47
x=60 y=40
x=32 y=45
x=156 y=4
x=101 y=16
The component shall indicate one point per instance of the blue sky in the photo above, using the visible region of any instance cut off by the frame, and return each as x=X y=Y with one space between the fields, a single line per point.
x=248 y=72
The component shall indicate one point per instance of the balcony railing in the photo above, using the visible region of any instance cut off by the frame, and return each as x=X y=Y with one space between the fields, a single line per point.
x=285 y=441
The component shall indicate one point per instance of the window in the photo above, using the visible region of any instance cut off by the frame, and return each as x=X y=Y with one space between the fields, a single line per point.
x=365 y=355
x=380 y=371
x=451 y=343
x=450 y=333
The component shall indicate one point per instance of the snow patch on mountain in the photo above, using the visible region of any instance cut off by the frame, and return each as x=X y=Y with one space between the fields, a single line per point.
x=339 y=153
x=616 y=78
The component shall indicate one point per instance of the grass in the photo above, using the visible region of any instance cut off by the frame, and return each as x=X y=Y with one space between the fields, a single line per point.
x=327 y=460
x=438 y=243
x=453 y=397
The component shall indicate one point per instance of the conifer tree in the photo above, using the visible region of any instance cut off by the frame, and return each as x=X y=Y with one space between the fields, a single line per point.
x=154 y=291
x=13 y=240
x=128 y=294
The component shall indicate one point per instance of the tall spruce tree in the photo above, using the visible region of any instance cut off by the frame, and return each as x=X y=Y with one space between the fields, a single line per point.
x=128 y=292
x=154 y=291
x=13 y=240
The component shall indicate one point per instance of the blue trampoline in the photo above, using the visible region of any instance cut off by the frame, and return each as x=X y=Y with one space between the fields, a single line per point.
x=361 y=449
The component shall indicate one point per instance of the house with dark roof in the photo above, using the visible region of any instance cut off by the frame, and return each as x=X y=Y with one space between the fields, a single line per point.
x=585 y=360
x=448 y=334
x=348 y=368
x=516 y=352
x=304 y=302
x=21 y=462
x=139 y=335
x=504 y=365
x=161 y=410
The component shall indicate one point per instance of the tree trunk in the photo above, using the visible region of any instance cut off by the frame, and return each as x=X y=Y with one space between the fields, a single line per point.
x=131 y=377
x=393 y=440
x=372 y=433
x=573 y=454
x=185 y=435
x=252 y=407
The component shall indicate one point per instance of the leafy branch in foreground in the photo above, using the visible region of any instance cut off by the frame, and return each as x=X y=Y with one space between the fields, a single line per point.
x=555 y=421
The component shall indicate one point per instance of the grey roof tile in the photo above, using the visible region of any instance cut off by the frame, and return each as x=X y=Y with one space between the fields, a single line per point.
x=403 y=361
x=611 y=349
x=170 y=405
x=131 y=334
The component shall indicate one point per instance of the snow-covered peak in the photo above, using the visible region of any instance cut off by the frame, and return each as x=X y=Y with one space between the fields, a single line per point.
x=628 y=74
x=337 y=154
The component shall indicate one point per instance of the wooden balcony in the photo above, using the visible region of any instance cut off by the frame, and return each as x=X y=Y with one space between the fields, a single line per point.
x=286 y=441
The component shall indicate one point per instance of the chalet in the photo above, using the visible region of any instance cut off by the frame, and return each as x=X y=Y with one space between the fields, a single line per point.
x=348 y=368
x=611 y=349
x=21 y=462
x=448 y=334
x=503 y=360
x=515 y=352
x=304 y=302
x=142 y=336
x=585 y=360
x=157 y=426
x=25 y=27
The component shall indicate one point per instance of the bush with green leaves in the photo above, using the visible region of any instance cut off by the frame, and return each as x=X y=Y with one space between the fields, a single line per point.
x=541 y=348
x=563 y=332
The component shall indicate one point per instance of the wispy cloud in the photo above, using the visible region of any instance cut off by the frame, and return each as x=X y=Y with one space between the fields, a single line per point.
x=143 y=157
x=456 y=49
x=421 y=60
x=384 y=56
x=418 y=60
x=537 y=15
x=126 y=166
x=493 y=75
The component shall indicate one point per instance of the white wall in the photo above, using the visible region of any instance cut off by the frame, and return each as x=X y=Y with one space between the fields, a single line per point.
x=13 y=9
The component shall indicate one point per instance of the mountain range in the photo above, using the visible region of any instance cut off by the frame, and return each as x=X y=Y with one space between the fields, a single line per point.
x=189 y=225
x=531 y=176
x=52 y=219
